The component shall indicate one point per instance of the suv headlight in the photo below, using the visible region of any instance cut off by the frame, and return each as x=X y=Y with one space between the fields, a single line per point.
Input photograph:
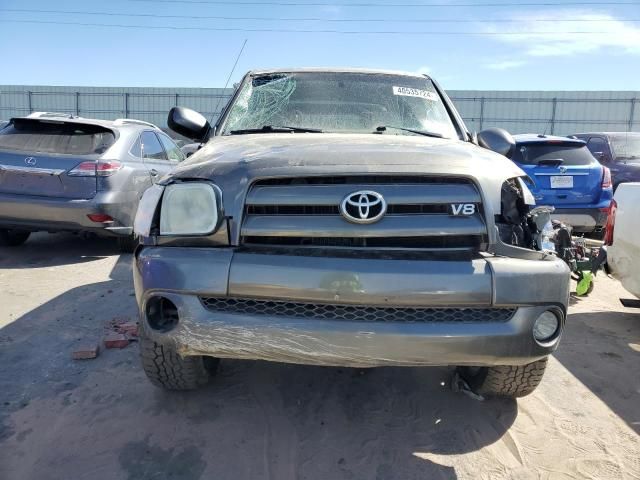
x=190 y=208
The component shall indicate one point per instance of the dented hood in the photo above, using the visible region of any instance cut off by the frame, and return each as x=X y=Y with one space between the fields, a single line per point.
x=234 y=161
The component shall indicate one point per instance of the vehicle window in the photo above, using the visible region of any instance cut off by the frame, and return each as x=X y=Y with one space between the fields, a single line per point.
x=570 y=154
x=626 y=146
x=136 y=150
x=597 y=144
x=173 y=151
x=56 y=137
x=151 y=147
x=340 y=102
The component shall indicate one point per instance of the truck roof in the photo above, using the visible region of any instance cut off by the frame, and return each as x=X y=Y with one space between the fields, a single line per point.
x=336 y=70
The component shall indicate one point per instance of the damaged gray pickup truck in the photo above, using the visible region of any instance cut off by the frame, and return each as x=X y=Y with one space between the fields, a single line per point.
x=345 y=218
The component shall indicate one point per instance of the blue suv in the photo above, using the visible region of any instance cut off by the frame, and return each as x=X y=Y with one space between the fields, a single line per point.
x=568 y=177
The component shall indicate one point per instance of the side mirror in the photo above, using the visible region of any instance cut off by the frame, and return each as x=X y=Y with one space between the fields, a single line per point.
x=498 y=140
x=188 y=123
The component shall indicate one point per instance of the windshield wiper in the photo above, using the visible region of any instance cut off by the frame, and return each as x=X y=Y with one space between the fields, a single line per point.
x=274 y=129
x=426 y=133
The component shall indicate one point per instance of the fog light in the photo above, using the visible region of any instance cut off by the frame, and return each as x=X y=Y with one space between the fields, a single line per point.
x=546 y=326
x=162 y=314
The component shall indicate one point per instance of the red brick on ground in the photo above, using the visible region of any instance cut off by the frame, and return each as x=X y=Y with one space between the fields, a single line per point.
x=130 y=328
x=117 y=321
x=86 y=352
x=115 y=340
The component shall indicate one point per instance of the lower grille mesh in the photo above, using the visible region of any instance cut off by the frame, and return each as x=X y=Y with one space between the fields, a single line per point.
x=324 y=311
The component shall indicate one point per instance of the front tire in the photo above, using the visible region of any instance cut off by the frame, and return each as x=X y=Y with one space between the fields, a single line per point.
x=167 y=369
x=13 y=238
x=505 y=380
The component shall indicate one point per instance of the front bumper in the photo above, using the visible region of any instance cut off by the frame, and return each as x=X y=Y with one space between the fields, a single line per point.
x=582 y=220
x=57 y=214
x=184 y=275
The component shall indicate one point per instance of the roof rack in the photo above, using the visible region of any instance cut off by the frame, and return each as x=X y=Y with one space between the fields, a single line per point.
x=132 y=121
x=50 y=115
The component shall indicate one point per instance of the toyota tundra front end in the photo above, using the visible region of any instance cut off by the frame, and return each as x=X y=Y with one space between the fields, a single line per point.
x=345 y=218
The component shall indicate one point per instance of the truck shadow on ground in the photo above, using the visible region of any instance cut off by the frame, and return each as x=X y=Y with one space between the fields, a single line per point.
x=602 y=350
x=51 y=250
x=102 y=419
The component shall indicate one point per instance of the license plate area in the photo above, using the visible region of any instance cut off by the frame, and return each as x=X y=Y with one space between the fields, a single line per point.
x=561 y=181
x=19 y=180
x=44 y=182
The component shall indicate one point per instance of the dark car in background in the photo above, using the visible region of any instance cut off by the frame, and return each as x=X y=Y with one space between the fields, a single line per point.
x=619 y=151
x=566 y=176
x=64 y=173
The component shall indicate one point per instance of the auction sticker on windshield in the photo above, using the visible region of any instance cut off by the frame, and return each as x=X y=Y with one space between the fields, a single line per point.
x=415 y=92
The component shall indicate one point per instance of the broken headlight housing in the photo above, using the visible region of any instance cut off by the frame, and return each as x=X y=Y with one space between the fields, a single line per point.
x=190 y=209
x=516 y=226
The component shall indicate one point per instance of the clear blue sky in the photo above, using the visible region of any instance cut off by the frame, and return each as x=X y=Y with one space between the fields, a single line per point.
x=606 y=58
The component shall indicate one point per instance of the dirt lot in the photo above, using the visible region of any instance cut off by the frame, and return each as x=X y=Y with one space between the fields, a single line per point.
x=101 y=419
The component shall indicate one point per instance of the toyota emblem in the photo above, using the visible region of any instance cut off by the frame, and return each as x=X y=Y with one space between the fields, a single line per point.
x=364 y=206
x=30 y=161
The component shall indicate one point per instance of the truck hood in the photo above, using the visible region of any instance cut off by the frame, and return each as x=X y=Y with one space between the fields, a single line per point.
x=236 y=160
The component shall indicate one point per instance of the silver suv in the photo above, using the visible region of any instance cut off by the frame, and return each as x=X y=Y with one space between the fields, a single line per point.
x=346 y=218
x=64 y=173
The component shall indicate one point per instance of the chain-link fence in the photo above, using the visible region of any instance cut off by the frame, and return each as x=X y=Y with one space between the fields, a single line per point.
x=559 y=113
x=517 y=111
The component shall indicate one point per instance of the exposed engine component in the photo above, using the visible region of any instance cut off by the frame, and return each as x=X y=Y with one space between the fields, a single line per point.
x=584 y=261
x=519 y=224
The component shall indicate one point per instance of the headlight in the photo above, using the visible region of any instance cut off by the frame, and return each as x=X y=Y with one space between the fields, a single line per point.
x=190 y=209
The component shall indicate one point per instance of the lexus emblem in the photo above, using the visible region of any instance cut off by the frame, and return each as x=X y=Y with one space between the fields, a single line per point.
x=364 y=206
x=30 y=161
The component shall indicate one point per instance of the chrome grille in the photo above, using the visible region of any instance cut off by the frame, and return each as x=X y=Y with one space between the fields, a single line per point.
x=322 y=311
x=305 y=212
x=439 y=243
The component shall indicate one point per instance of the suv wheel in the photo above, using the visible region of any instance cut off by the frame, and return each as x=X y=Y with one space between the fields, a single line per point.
x=505 y=380
x=167 y=369
x=13 y=238
x=127 y=244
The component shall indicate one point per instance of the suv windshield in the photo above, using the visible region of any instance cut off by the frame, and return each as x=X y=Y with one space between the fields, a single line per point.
x=339 y=103
x=626 y=146
x=547 y=154
x=55 y=137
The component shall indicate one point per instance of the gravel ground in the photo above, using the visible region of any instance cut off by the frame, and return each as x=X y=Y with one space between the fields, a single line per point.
x=101 y=419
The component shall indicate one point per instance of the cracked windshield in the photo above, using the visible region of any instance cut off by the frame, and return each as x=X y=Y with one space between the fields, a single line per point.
x=338 y=102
